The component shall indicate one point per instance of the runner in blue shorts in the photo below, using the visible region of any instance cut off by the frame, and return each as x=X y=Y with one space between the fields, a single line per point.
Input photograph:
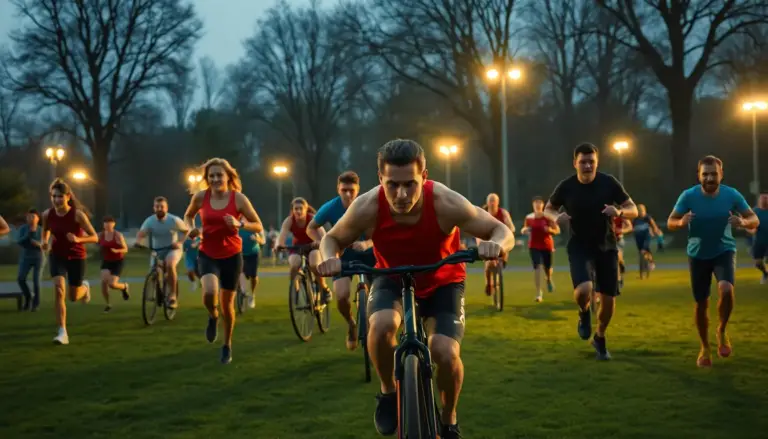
x=190 y=260
x=760 y=237
x=249 y=278
x=710 y=210
x=644 y=227
x=348 y=187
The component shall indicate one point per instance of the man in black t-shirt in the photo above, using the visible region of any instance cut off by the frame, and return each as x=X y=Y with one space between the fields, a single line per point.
x=589 y=201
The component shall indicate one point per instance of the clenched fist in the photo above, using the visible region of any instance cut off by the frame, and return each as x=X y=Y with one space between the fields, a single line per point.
x=329 y=267
x=488 y=250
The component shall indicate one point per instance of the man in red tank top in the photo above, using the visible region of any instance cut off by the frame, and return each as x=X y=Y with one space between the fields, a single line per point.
x=71 y=229
x=501 y=214
x=540 y=229
x=413 y=220
x=296 y=224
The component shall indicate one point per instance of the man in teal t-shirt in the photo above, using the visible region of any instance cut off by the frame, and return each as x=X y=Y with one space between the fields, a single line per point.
x=252 y=243
x=710 y=210
x=760 y=236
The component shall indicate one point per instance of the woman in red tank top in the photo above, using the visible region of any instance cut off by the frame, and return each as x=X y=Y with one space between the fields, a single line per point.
x=113 y=250
x=220 y=261
x=68 y=222
x=296 y=224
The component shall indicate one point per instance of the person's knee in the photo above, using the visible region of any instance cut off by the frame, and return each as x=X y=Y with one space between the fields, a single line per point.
x=445 y=350
x=342 y=288
x=725 y=289
x=583 y=289
x=383 y=324
x=210 y=284
x=106 y=277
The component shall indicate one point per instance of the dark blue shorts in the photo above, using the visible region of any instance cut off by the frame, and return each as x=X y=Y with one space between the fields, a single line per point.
x=366 y=257
x=759 y=250
x=723 y=267
x=643 y=242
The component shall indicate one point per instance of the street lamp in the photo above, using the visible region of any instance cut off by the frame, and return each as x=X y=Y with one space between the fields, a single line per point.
x=280 y=172
x=54 y=156
x=754 y=107
x=620 y=147
x=79 y=175
x=448 y=151
x=513 y=74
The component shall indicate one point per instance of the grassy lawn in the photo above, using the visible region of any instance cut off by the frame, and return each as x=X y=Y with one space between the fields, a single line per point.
x=527 y=373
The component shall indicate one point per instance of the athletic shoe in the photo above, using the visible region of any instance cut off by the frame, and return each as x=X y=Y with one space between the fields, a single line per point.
x=550 y=285
x=585 y=324
x=126 y=294
x=601 y=350
x=538 y=298
x=724 y=348
x=450 y=432
x=62 y=338
x=385 y=416
x=705 y=359
x=226 y=354
x=107 y=309
x=764 y=279
x=487 y=290
x=87 y=297
x=251 y=302
x=211 y=330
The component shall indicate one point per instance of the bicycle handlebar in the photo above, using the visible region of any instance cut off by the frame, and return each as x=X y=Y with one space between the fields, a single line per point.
x=158 y=249
x=299 y=248
x=354 y=267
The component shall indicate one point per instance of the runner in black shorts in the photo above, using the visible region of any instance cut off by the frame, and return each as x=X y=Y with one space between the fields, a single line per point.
x=589 y=200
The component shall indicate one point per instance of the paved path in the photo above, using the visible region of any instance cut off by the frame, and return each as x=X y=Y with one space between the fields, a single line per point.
x=6 y=286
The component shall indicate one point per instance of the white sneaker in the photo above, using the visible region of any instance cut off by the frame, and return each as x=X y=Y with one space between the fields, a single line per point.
x=62 y=338
x=251 y=302
x=764 y=280
x=539 y=298
x=194 y=286
x=87 y=297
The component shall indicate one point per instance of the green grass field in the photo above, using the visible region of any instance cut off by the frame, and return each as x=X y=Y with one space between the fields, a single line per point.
x=528 y=375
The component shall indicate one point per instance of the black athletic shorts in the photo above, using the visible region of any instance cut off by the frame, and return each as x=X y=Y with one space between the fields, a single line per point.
x=759 y=250
x=584 y=261
x=366 y=257
x=227 y=270
x=115 y=267
x=72 y=269
x=443 y=311
x=723 y=267
x=541 y=257
x=251 y=265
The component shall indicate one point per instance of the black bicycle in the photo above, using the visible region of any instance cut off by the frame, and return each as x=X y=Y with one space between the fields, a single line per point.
x=305 y=302
x=498 y=285
x=154 y=295
x=417 y=407
x=361 y=301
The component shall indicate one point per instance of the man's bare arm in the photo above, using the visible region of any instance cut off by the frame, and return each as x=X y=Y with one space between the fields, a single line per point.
x=508 y=221
x=628 y=209
x=551 y=211
x=751 y=221
x=90 y=234
x=285 y=229
x=554 y=228
x=4 y=228
x=359 y=217
x=46 y=235
x=675 y=221
x=315 y=231
x=459 y=212
x=253 y=222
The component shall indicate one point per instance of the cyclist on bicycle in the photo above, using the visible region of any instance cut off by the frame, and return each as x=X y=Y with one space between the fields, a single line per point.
x=348 y=187
x=415 y=221
x=296 y=224
x=164 y=229
x=501 y=214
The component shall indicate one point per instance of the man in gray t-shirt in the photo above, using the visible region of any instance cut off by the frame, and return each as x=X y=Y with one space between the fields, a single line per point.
x=163 y=229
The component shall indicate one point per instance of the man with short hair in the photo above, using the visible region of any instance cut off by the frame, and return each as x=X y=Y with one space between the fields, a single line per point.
x=540 y=228
x=163 y=230
x=589 y=199
x=348 y=187
x=502 y=215
x=760 y=236
x=415 y=221
x=710 y=210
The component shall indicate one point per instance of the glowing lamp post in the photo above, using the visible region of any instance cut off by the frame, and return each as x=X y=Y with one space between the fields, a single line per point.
x=620 y=147
x=280 y=171
x=448 y=152
x=754 y=107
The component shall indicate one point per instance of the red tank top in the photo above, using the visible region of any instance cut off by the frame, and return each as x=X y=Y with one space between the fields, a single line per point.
x=300 y=236
x=219 y=240
x=540 y=238
x=59 y=227
x=107 y=245
x=500 y=214
x=422 y=243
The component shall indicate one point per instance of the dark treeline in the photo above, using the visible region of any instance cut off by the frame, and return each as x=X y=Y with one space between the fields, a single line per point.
x=321 y=87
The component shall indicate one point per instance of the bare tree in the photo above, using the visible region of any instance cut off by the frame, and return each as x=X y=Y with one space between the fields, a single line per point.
x=181 y=93
x=302 y=78
x=446 y=47
x=213 y=85
x=95 y=58
x=559 y=29
x=684 y=51
x=9 y=107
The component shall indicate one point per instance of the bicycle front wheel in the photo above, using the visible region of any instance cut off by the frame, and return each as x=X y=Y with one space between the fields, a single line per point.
x=362 y=328
x=149 y=299
x=498 y=298
x=413 y=404
x=301 y=307
x=323 y=314
x=169 y=312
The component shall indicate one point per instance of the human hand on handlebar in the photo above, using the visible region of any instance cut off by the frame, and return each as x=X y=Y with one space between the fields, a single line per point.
x=329 y=267
x=487 y=250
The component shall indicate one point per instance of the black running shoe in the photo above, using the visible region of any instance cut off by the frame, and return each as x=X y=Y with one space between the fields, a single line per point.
x=385 y=416
x=585 y=324
x=211 y=329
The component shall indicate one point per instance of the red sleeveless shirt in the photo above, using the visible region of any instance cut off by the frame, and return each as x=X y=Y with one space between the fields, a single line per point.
x=219 y=240
x=499 y=214
x=423 y=243
x=300 y=236
x=107 y=245
x=59 y=227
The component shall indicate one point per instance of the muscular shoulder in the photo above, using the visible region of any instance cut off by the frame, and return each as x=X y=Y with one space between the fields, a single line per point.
x=80 y=216
x=199 y=196
x=367 y=204
x=449 y=202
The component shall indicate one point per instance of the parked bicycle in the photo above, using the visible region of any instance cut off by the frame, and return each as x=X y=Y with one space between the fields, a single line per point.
x=417 y=406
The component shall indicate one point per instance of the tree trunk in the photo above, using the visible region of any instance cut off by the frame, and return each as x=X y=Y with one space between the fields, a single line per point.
x=680 y=105
x=100 y=180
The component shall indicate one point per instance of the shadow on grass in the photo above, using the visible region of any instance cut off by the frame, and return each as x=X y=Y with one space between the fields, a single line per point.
x=543 y=311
